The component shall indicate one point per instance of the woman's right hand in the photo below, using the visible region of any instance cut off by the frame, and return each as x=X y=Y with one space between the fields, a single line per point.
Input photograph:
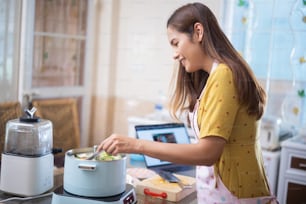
x=116 y=143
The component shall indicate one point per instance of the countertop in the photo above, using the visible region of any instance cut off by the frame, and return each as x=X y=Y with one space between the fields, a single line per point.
x=58 y=181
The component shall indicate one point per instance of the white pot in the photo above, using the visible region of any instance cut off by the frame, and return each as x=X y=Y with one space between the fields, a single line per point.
x=93 y=178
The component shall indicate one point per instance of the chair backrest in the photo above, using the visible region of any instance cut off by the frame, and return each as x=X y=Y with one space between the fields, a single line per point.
x=8 y=111
x=63 y=113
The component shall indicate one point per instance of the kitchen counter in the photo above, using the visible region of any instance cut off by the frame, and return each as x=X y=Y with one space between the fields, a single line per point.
x=58 y=181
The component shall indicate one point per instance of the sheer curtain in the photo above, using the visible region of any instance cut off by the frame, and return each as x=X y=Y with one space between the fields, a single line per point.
x=10 y=12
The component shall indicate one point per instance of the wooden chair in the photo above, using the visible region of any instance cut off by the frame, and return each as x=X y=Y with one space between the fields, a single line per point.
x=8 y=111
x=63 y=113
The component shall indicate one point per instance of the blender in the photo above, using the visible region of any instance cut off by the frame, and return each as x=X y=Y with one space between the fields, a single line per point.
x=27 y=160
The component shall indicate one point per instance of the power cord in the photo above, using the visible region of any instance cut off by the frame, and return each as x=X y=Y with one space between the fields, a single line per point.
x=26 y=198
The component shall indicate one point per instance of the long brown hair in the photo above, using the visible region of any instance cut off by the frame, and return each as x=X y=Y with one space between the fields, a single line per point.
x=216 y=45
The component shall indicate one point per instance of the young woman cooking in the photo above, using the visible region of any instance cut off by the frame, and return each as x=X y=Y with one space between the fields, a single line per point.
x=225 y=102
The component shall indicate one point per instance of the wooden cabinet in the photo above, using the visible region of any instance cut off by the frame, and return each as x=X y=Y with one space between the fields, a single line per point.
x=292 y=174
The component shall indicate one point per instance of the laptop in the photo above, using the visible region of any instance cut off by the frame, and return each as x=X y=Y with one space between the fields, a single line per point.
x=168 y=133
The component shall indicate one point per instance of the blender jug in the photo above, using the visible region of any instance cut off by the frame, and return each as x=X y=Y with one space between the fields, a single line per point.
x=27 y=159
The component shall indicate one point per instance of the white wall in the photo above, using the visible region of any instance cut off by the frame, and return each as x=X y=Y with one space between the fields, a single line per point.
x=133 y=58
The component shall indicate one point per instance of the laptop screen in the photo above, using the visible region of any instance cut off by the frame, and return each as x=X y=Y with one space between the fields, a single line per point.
x=168 y=133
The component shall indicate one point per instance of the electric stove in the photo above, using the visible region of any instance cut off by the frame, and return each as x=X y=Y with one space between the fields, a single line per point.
x=60 y=196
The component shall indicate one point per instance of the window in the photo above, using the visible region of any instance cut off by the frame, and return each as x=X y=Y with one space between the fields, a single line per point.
x=59 y=43
x=9 y=52
x=271 y=37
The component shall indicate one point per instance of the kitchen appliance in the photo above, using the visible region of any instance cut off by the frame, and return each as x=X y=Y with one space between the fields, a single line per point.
x=273 y=131
x=93 y=181
x=271 y=165
x=60 y=196
x=27 y=159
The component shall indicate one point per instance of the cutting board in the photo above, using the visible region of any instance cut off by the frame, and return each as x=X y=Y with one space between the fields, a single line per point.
x=158 y=187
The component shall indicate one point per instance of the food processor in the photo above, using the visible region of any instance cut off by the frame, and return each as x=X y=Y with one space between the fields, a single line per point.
x=27 y=160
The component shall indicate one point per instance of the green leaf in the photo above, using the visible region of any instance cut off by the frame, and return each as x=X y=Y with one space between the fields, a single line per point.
x=244 y=3
x=301 y=93
x=241 y=2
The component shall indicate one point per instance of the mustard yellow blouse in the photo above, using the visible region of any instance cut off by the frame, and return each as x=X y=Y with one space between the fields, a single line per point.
x=240 y=165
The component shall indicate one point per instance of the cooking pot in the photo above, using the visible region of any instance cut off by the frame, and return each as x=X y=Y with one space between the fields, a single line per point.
x=93 y=178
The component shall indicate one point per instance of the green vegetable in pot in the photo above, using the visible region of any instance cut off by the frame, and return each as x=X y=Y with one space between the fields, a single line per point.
x=104 y=156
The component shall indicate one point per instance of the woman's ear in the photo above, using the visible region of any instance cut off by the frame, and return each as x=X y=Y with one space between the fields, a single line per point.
x=198 y=31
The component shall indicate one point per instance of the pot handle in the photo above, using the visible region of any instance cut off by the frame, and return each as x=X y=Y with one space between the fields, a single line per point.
x=87 y=167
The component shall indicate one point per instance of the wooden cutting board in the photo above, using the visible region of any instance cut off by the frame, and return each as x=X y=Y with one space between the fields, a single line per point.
x=158 y=187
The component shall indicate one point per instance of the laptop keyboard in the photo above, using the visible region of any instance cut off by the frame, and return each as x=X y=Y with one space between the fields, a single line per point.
x=177 y=168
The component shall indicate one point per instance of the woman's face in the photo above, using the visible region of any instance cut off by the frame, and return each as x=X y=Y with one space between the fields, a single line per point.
x=188 y=52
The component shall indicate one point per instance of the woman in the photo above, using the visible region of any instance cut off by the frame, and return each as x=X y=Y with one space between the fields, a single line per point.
x=225 y=102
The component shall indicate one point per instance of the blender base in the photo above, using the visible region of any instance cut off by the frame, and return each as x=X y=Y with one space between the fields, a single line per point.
x=26 y=176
